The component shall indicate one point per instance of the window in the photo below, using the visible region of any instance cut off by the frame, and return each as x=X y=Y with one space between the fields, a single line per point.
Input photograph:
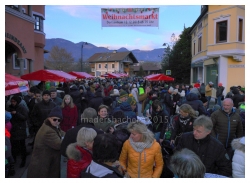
x=240 y=30
x=39 y=23
x=199 y=43
x=199 y=26
x=113 y=66
x=16 y=62
x=194 y=48
x=100 y=66
x=106 y=66
x=221 y=31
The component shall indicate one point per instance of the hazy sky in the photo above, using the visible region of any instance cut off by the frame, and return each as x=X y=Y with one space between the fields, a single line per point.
x=78 y=23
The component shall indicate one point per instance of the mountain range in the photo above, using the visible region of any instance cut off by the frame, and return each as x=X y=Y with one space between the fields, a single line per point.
x=89 y=49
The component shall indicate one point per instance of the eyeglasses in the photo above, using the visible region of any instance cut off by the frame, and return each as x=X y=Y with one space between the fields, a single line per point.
x=56 y=119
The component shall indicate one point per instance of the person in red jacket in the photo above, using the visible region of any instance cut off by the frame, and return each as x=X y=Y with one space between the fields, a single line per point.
x=70 y=113
x=80 y=152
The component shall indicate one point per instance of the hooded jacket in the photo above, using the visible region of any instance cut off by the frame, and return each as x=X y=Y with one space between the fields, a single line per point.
x=76 y=96
x=238 y=164
x=79 y=159
x=97 y=100
x=126 y=108
x=193 y=100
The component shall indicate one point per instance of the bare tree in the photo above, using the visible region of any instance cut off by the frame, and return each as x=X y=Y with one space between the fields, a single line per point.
x=60 y=59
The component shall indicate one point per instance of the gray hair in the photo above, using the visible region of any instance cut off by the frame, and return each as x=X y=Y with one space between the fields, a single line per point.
x=204 y=121
x=88 y=115
x=85 y=135
x=187 y=164
x=141 y=128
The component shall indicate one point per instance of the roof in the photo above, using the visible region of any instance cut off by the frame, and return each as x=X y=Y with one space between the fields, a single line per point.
x=111 y=57
x=204 y=11
x=147 y=67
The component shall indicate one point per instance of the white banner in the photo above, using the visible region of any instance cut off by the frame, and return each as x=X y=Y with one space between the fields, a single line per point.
x=130 y=17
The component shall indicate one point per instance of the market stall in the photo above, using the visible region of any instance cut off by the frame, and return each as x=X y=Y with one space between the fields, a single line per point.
x=15 y=85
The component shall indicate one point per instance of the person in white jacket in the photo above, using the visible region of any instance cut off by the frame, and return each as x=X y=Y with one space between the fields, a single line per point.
x=134 y=92
x=238 y=164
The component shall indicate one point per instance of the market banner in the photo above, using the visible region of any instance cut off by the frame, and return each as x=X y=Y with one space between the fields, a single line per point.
x=130 y=17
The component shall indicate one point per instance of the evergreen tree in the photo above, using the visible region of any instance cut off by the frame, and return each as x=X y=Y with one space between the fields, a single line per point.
x=141 y=71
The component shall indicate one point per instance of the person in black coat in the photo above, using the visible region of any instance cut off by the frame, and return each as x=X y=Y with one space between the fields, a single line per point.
x=97 y=100
x=211 y=151
x=87 y=119
x=18 y=130
x=159 y=119
x=40 y=111
x=237 y=97
x=193 y=100
x=76 y=96
x=168 y=101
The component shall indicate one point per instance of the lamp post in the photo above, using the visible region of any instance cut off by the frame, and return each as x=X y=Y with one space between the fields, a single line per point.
x=84 y=43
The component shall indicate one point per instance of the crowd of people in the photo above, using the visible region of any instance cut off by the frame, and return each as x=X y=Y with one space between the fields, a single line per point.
x=93 y=124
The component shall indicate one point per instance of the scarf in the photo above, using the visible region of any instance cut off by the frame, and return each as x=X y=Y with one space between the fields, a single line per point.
x=140 y=146
x=184 y=120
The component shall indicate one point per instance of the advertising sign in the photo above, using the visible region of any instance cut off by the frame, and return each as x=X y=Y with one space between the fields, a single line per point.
x=130 y=17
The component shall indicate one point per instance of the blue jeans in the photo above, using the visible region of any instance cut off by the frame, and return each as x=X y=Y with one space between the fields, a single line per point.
x=219 y=101
x=208 y=101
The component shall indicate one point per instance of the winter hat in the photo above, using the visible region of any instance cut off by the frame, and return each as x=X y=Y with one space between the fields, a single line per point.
x=195 y=91
x=130 y=95
x=175 y=91
x=107 y=101
x=81 y=88
x=134 y=85
x=46 y=92
x=16 y=98
x=198 y=81
x=123 y=94
x=56 y=112
x=116 y=92
x=220 y=84
x=203 y=99
x=211 y=83
x=171 y=89
x=131 y=101
x=52 y=89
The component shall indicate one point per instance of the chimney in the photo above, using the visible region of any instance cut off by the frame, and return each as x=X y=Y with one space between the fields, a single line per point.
x=115 y=51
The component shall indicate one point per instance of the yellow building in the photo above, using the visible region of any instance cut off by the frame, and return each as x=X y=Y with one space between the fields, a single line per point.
x=218 y=46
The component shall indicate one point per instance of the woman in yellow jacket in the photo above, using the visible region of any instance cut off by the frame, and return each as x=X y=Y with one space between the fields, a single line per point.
x=141 y=155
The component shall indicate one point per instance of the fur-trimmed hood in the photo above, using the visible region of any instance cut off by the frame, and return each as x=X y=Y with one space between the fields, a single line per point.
x=236 y=144
x=73 y=152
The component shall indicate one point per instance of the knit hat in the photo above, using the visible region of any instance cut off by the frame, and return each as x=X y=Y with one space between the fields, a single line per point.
x=203 y=99
x=131 y=101
x=220 y=84
x=52 y=89
x=46 y=92
x=198 y=81
x=211 y=83
x=107 y=101
x=16 y=98
x=175 y=91
x=123 y=94
x=130 y=95
x=81 y=88
x=242 y=140
x=56 y=112
x=171 y=89
x=116 y=92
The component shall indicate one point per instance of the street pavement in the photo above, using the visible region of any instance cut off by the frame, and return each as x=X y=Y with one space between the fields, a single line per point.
x=22 y=172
